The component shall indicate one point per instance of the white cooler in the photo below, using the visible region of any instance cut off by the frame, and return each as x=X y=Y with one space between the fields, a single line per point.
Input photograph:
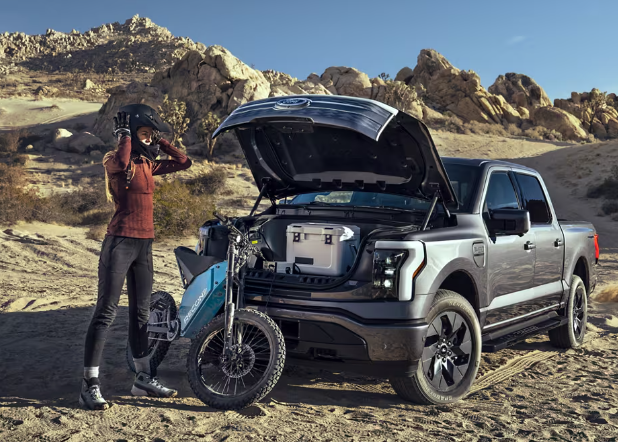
x=322 y=249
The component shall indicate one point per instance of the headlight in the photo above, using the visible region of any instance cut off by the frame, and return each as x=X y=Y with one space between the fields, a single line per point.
x=386 y=265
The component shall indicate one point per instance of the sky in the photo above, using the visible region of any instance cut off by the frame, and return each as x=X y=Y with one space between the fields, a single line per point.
x=563 y=45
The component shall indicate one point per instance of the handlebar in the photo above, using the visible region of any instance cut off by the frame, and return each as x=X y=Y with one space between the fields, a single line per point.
x=222 y=218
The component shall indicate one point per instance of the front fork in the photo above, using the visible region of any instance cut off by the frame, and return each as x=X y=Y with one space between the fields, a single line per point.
x=229 y=301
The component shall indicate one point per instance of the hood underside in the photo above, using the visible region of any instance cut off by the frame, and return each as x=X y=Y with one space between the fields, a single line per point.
x=309 y=143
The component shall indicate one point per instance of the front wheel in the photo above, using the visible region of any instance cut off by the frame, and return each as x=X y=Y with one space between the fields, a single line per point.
x=161 y=305
x=451 y=354
x=249 y=373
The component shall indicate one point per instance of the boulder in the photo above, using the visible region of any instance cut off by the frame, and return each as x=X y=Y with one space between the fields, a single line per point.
x=598 y=129
x=61 y=138
x=520 y=90
x=561 y=121
x=209 y=81
x=82 y=142
x=612 y=128
x=88 y=84
x=448 y=88
x=96 y=154
x=346 y=81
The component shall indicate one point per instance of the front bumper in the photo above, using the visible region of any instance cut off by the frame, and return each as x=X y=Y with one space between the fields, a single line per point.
x=334 y=341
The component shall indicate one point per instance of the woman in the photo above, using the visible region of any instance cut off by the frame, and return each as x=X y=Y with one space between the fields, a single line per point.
x=127 y=247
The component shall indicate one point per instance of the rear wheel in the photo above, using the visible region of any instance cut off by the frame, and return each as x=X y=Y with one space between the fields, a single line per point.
x=249 y=374
x=571 y=334
x=451 y=354
x=158 y=345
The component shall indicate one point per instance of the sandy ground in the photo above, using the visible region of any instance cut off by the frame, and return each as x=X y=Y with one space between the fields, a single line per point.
x=28 y=112
x=528 y=392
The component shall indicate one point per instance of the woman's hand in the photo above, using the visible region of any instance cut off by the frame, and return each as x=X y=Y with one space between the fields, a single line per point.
x=121 y=125
x=156 y=137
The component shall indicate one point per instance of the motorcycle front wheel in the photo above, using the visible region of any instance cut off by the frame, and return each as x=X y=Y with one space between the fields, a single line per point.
x=250 y=371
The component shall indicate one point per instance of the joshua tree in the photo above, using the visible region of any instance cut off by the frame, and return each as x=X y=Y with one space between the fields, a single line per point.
x=597 y=101
x=205 y=130
x=174 y=113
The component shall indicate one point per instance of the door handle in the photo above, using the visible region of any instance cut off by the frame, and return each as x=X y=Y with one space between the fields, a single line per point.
x=558 y=243
x=529 y=245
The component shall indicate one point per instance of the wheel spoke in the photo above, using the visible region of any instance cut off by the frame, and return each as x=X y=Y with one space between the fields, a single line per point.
x=463 y=349
x=437 y=373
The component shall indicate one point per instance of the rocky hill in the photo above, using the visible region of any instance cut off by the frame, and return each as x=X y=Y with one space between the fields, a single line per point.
x=138 y=45
x=140 y=61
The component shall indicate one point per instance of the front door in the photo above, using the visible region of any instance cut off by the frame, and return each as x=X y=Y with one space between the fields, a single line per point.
x=510 y=258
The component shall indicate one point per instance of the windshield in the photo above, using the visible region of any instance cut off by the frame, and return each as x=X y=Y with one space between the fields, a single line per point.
x=463 y=179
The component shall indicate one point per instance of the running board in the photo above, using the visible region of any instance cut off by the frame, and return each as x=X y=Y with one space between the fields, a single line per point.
x=522 y=334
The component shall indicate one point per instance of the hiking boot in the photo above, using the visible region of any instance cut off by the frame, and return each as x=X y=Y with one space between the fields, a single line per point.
x=91 y=397
x=146 y=385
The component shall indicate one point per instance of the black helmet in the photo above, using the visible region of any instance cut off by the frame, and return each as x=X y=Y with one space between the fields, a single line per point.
x=142 y=115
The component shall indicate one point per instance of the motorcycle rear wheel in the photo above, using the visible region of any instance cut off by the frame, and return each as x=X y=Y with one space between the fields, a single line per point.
x=157 y=349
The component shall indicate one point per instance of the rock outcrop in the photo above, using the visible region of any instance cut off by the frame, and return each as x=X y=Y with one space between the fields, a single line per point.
x=138 y=45
x=448 y=88
x=212 y=81
x=282 y=84
x=561 y=121
x=520 y=91
x=604 y=122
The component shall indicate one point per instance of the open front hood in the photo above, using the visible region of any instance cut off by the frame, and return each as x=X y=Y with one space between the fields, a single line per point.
x=310 y=143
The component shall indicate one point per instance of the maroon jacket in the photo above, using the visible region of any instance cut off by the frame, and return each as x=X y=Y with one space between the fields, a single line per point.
x=133 y=216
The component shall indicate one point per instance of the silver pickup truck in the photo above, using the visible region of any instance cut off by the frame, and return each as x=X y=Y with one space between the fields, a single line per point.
x=383 y=258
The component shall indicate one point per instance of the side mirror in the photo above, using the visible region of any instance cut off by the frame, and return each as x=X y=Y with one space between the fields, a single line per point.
x=509 y=221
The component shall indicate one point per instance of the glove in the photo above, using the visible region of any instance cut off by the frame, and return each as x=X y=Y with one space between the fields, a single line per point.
x=121 y=125
x=156 y=137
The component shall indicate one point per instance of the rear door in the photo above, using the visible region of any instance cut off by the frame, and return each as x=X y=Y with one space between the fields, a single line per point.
x=510 y=259
x=548 y=238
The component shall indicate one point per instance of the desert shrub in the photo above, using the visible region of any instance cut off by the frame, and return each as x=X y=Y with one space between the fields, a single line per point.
x=542 y=133
x=401 y=96
x=608 y=188
x=512 y=130
x=174 y=113
x=96 y=233
x=212 y=182
x=207 y=127
x=476 y=127
x=86 y=206
x=21 y=159
x=179 y=211
x=3 y=111
x=10 y=141
x=609 y=207
x=16 y=203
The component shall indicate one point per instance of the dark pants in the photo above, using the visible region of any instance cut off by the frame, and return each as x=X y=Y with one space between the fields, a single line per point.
x=121 y=257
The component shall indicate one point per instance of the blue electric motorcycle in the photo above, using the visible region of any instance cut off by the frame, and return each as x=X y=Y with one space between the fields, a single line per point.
x=237 y=354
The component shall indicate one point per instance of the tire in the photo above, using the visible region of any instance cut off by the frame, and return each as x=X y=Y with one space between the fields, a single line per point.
x=156 y=349
x=571 y=334
x=447 y=310
x=255 y=322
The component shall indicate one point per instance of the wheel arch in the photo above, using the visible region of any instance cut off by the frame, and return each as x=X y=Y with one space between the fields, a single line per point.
x=462 y=282
x=581 y=269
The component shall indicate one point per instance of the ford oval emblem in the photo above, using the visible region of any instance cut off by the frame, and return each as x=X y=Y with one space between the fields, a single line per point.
x=292 y=103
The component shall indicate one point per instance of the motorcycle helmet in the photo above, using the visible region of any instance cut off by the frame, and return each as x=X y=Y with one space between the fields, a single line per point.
x=141 y=115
